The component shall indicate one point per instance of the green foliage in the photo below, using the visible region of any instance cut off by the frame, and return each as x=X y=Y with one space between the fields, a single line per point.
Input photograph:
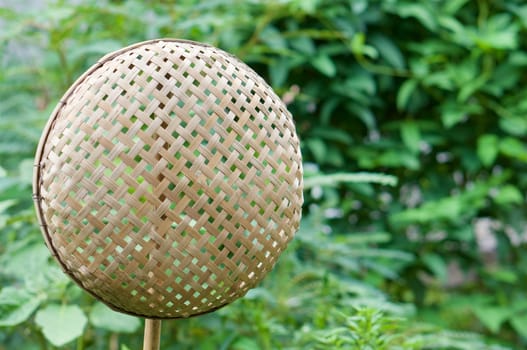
x=428 y=92
x=102 y=317
x=61 y=324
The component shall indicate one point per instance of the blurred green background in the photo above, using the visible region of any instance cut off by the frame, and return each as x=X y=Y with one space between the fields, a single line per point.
x=431 y=93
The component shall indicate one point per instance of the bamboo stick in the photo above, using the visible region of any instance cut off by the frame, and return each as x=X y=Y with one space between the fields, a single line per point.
x=152 y=334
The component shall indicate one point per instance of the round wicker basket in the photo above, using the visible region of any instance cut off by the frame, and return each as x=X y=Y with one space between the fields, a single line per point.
x=168 y=179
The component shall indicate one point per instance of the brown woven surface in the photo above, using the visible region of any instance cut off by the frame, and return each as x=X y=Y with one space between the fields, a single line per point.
x=168 y=179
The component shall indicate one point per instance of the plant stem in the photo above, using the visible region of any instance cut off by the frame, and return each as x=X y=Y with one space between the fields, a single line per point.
x=80 y=343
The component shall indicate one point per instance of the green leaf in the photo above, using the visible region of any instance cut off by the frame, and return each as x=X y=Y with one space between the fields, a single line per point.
x=449 y=208
x=333 y=134
x=337 y=178
x=437 y=265
x=419 y=12
x=397 y=158
x=303 y=44
x=101 y=316
x=499 y=33
x=361 y=81
x=513 y=148
x=17 y=305
x=516 y=126
x=488 y=149
x=453 y=113
x=318 y=148
x=97 y=49
x=509 y=194
x=25 y=170
x=519 y=323
x=405 y=93
x=453 y=6
x=388 y=51
x=245 y=344
x=498 y=40
x=470 y=87
x=444 y=209
x=441 y=79
x=492 y=316
x=359 y=47
x=273 y=38
x=411 y=136
x=364 y=114
x=61 y=324
x=58 y=14
x=279 y=71
x=324 y=65
x=24 y=259
x=503 y=274
x=458 y=31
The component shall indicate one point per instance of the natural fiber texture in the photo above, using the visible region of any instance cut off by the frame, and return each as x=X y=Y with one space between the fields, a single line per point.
x=168 y=179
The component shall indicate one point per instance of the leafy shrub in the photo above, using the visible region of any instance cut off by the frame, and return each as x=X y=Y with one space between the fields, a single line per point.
x=427 y=91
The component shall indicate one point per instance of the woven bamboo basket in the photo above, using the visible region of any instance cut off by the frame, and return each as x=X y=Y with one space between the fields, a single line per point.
x=168 y=179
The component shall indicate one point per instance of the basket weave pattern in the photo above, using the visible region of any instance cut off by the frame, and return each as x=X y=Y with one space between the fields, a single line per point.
x=169 y=179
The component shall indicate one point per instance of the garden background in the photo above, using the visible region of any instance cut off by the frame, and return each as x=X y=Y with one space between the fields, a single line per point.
x=431 y=94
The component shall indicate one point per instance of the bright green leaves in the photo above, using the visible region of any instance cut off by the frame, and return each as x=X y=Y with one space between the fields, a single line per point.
x=279 y=71
x=338 y=178
x=405 y=93
x=498 y=33
x=17 y=305
x=421 y=11
x=272 y=37
x=450 y=209
x=245 y=344
x=360 y=48
x=104 y=318
x=437 y=265
x=303 y=44
x=366 y=328
x=318 y=149
x=360 y=86
x=325 y=65
x=388 y=51
x=514 y=125
x=488 y=149
x=492 y=316
x=451 y=7
x=513 y=148
x=508 y=194
x=411 y=135
x=25 y=259
x=519 y=322
x=61 y=324
x=453 y=113
x=490 y=146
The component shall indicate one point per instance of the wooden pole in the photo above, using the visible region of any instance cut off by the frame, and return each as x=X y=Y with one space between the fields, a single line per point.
x=152 y=334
